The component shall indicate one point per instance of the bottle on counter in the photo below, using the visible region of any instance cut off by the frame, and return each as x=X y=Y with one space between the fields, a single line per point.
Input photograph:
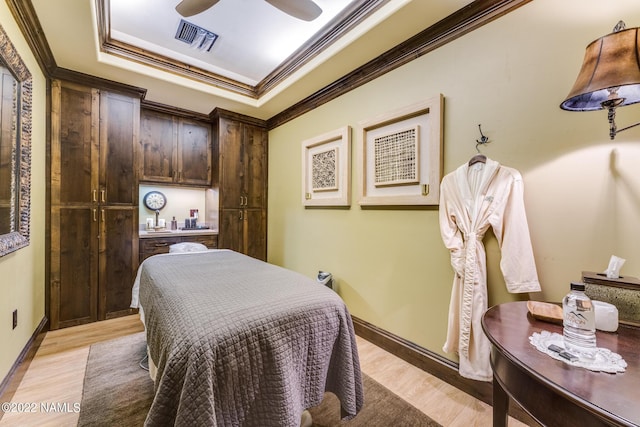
x=174 y=224
x=579 y=322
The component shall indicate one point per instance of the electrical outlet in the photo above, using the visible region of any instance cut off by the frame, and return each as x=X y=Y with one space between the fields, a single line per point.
x=15 y=319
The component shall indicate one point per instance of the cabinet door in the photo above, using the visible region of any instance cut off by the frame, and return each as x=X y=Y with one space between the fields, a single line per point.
x=194 y=153
x=73 y=258
x=118 y=260
x=231 y=164
x=74 y=266
x=119 y=130
x=159 y=141
x=118 y=248
x=231 y=233
x=255 y=233
x=74 y=144
x=255 y=166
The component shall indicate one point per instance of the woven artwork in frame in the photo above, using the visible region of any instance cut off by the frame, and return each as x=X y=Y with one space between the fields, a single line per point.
x=326 y=169
x=400 y=156
x=396 y=156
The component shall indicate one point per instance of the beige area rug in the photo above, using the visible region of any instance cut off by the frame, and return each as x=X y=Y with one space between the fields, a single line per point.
x=117 y=392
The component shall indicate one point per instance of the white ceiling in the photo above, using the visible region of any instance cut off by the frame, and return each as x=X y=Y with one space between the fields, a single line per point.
x=253 y=36
x=254 y=39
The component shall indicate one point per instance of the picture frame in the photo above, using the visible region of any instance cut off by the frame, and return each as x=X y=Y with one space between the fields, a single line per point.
x=15 y=212
x=400 y=156
x=326 y=169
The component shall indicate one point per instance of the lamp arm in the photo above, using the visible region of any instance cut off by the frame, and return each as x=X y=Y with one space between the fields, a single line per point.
x=629 y=127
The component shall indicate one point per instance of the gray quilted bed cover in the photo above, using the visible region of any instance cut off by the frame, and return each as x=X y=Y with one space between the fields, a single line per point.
x=240 y=342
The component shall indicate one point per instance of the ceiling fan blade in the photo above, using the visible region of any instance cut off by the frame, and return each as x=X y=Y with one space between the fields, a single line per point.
x=194 y=7
x=306 y=10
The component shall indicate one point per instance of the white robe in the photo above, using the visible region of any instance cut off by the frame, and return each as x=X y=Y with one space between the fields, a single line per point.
x=472 y=198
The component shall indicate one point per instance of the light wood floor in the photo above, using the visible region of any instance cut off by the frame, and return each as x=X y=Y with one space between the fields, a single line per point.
x=56 y=375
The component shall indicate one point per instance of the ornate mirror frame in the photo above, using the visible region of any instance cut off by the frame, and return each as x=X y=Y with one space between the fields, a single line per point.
x=19 y=238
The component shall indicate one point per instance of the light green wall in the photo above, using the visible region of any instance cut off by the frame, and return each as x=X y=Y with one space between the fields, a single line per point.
x=582 y=191
x=22 y=272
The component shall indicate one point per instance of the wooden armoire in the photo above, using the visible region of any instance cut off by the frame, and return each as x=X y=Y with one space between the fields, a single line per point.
x=241 y=175
x=94 y=168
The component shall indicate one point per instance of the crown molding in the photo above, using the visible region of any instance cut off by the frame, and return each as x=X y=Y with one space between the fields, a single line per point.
x=459 y=23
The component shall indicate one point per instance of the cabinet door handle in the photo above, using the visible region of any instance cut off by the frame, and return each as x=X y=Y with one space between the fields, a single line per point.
x=94 y=215
x=241 y=215
x=160 y=245
x=246 y=200
x=102 y=195
x=94 y=195
x=102 y=214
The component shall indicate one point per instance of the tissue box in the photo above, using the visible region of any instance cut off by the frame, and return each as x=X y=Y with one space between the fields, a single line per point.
x=623 y=293
x=606 y=316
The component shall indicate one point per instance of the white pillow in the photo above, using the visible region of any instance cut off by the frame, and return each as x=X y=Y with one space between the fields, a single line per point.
x=187 y=247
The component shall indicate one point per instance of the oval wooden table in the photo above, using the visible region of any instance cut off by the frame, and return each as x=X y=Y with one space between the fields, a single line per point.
x=551 y=391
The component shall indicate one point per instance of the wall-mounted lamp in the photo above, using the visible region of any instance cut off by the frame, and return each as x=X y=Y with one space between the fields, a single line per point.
x=610 y=75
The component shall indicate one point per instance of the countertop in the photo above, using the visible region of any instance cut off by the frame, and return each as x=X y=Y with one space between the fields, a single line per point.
x=147 y=234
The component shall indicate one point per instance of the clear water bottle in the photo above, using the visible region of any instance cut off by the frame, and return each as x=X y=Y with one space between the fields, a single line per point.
x=579 y=321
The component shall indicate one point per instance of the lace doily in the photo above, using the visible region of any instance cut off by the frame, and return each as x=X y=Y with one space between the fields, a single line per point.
x=605 y=360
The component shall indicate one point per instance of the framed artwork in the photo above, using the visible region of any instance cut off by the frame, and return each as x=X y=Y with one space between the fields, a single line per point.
x=400 y=156
x=15 y=148
x=326 y=169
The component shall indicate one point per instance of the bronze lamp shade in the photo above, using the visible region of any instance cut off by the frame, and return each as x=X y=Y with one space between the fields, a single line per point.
x=610 y=75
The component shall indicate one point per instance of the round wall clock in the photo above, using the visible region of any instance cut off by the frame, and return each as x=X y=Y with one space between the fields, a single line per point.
x=154 y=200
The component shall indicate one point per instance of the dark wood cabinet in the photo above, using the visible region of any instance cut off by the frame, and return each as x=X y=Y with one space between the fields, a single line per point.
x=194 y=153
x=158 y=137
x=117 y=260
x=242 y=146
x=160 y=245
x=74 y=266
x=175 y=150
x=244 y=230
x=93 y=254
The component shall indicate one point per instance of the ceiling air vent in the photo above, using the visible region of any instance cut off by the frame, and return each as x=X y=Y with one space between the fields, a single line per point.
x=194 y=36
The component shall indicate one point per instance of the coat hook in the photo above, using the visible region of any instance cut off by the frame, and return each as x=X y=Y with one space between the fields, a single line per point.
x=483 y=139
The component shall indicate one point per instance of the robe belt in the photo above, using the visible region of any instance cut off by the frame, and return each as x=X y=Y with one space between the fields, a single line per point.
x=470 y=271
